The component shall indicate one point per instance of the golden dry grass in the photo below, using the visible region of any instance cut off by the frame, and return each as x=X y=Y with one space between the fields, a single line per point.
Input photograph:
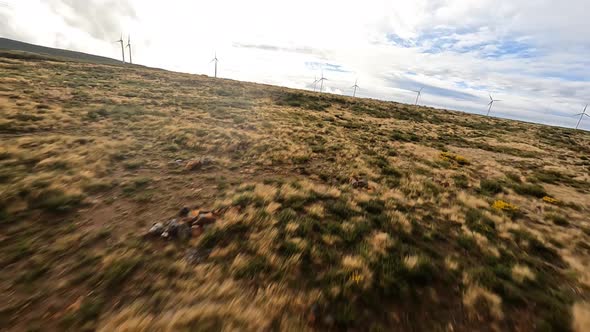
x=92 y=155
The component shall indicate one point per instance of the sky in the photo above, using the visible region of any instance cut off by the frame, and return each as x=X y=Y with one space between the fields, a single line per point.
x=533 y=55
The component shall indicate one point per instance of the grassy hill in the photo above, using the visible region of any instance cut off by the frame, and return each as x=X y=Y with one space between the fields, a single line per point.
x=18 y=47
x=332 y=213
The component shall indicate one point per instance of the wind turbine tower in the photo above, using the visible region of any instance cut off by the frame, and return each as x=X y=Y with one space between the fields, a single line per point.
x=129 y=46
x=492 y=100
x=321 y=80
x=122 y=47
x=419 y=93
x=581 y=116
x=215 y=60
x=355 y=86
x=315 y=83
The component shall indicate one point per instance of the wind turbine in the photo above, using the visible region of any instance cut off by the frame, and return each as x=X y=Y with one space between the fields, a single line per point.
x=321 y=80
x=355 y=86
x=315 y=82
x=581 y=116
x=122 y=47
x=419 y=93
x=492 y=100
x=129 y=46
x=216 y=60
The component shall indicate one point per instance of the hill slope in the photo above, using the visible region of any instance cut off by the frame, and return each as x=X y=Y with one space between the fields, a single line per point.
x=14 y=45
x=328 y=212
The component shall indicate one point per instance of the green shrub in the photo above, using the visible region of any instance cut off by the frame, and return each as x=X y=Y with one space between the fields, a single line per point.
x=116 y=273
x=461 y=181
x=513 y=177
x=55 y=200
x=530 y=190
x=557 y=219
x=478 y=222
x=340 y=209
x=490 y=187
x=255 y=266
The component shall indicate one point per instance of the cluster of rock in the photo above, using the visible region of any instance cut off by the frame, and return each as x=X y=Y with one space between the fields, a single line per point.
x=197 y=164
x=190 y=223
x=359 y=183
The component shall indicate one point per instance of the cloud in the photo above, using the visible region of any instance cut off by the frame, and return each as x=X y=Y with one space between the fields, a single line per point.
x=459 y=50
x=100 y=19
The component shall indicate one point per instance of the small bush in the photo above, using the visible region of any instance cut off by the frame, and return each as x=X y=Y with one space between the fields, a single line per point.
x=340 y=209
x=55 y=200
x=454 y=158
x=132 y=164
x=490 y=187
x=557 y=220
x=254 y=267
x=513 y=177
x=530 y=190
x=477 y=222
x=461 y=181
x=116 y=273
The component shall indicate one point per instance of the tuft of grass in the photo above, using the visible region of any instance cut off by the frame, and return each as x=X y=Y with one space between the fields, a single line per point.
x=478 y=222
x=56 y=200
x=118 y=272
x=454 y=158
x=461 y=181
x=534 y=190
x=254 y=267
x=490 y=187
x=132 y=164
x=557 y=219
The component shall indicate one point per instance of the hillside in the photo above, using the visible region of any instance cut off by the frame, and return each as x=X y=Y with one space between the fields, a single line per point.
x=309 y=211
x=14 y=45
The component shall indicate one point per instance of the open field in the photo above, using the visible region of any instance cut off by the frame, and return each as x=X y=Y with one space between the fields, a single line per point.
x=333 y=213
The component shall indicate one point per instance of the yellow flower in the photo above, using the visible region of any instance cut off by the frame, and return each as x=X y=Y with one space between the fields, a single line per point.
x=504 y=206
x=550 y=200
x=356 y=277
x=460 y=160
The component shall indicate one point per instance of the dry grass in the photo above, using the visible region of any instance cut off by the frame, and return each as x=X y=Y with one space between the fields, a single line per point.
x=92 y=155
x=521 y=273
x=480 y=301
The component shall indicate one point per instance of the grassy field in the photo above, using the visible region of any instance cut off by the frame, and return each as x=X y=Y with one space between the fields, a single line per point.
x=333 y=213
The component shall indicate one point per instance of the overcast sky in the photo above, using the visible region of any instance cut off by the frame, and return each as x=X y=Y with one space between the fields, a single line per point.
x=534 y=55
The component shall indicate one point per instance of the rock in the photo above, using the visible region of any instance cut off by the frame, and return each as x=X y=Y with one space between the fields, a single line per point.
x=196 y=231
x=198 y=163
x=157 y=229
x=165 y=234
x=172 y=227
x=184 y=212
x=205 y=219
x=360 y=183
x=183 y=232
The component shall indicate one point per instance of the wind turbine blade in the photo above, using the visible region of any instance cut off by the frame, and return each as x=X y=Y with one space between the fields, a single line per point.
x=497 y=100
x=578 y=114
x=587 y=115
x=491 y=97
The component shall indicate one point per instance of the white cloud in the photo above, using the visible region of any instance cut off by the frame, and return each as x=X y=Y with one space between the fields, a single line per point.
x=530 y=53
